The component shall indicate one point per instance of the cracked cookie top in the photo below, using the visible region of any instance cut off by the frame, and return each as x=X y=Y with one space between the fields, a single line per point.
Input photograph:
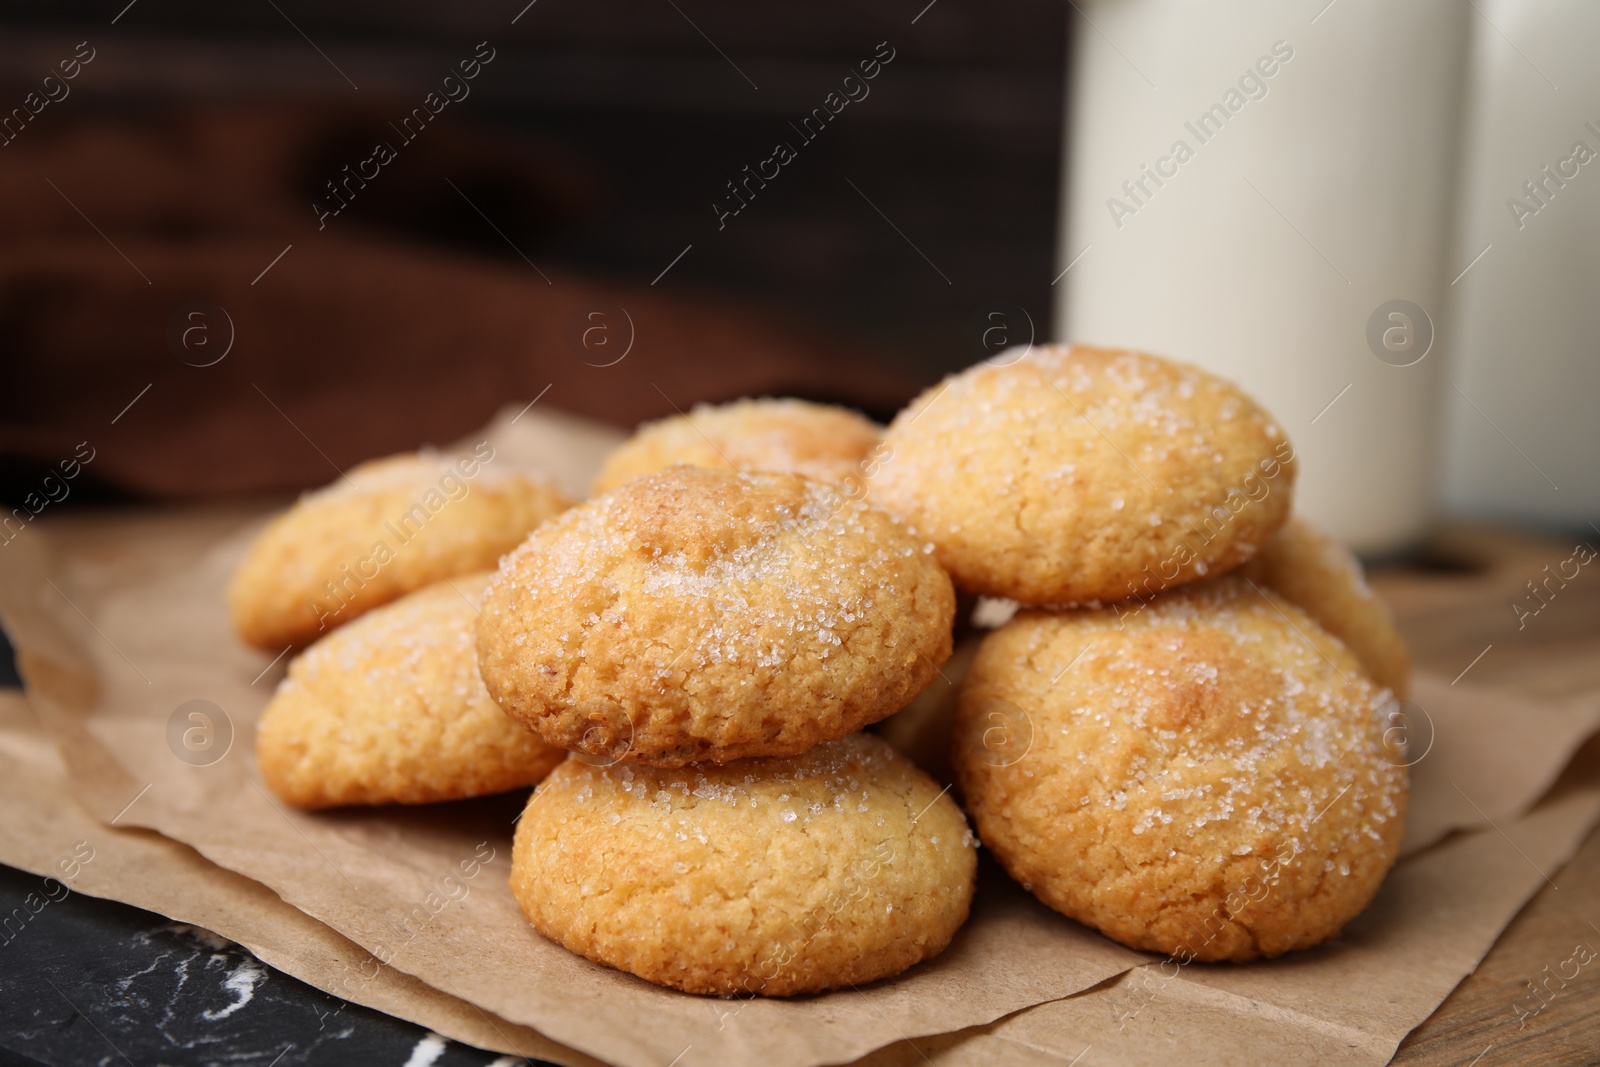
x=1207 y=775
x=390 y=709
x=697 y=614
x=775 y=876
x=1078 y=474
x=386 y=528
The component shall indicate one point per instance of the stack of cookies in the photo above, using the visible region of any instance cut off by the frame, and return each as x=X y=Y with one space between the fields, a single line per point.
x=707 y=643
x=1175 y=731
x=383 y=571
x=1181 y=737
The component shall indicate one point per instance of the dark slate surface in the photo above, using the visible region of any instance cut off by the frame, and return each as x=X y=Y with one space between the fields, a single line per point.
x=86 y=981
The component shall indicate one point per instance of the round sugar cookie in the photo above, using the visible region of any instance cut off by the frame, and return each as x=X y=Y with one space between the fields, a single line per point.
x=791 y=436
x=698 y=614
x=1321 y=576
x=1207 y=776
x=839 y=866
x=390 y=710
x=387 y=527
x=1077 y=475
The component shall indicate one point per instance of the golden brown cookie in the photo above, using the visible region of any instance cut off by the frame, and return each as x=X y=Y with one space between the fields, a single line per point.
x=1320 y=576
x=390 y=710
x=793 y=436
x=1199 y=779
x=386 y=528
x=775 y=876
x=1078 y=474
x=698 y=614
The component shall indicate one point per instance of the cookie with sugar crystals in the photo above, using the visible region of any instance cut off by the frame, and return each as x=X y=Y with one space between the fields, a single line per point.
x=390 y=710
x=1209 y=777
x=792 y=436
x=774 y=876
x=697 y=614
x=1078 y=474
x=387 y=527
x=1324 y=580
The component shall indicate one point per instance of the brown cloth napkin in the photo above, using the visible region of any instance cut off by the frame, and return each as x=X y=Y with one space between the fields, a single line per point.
x=167 y=297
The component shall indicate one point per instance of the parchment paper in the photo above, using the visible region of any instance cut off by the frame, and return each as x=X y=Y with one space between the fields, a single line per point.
x=129 y=624
x=1493 y=754
x=144 y=869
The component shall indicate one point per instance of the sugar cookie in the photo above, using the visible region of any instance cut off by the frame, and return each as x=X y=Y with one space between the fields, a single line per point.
x=386 y=528
x=390 y=710
x=1198 y=779
x=697 y=614
x=1078 y=474
x=775 y=876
